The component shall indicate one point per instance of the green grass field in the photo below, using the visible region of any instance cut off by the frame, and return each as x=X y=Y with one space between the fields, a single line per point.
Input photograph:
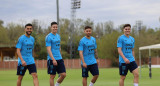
x=108 y=77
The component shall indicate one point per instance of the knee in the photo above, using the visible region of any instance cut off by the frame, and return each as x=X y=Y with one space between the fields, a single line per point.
x=35 y=76
x=136 y=75
x=123 y=78
x=52 y=76
x=20 y=78
x=63 y=75
x=96 y=76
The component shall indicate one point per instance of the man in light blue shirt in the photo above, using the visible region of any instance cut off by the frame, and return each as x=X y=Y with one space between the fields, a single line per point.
x=89 y=59
x=25 y=47
x=55 y=62
x=125 y=45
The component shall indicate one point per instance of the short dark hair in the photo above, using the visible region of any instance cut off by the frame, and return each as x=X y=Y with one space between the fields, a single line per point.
x=54 y=23
x=29 y=24
x=126 y=25
x=87 y=27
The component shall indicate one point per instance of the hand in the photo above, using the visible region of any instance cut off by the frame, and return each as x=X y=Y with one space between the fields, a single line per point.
x=97 y=61
x=126 y=61
x=24 y=63
x=84 y=65
x=54 y=62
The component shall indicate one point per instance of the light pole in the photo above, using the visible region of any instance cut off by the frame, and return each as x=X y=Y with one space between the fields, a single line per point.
x=58 y=16
x=75 y=4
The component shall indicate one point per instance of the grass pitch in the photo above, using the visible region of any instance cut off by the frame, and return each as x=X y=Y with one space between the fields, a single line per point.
x=108 y=77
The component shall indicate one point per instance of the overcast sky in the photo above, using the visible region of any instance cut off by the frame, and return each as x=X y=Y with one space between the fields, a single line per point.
x=118 y=11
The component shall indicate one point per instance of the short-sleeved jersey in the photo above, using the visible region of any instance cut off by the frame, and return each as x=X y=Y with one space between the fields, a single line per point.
x=127 y=44
x=88 y=46
x=54 y=42
x=26 y=46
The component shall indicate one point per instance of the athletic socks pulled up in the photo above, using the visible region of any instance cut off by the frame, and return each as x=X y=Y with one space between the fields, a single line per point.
x=91 y=84
x=135 y=84
x=57 y=84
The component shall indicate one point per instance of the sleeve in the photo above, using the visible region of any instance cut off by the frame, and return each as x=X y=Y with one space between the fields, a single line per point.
x=95 y=44
x=119 y=42
x=19 y=43
x=48 y=41
x=80 y=46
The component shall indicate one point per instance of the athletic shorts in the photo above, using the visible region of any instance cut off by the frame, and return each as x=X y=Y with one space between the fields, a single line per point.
x=92 y=68
x=22 y=69
x=60 y=68
x=123 y=67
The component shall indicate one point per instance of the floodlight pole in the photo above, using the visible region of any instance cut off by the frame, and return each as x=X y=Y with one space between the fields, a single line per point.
x=58 y=16
x=75 y=4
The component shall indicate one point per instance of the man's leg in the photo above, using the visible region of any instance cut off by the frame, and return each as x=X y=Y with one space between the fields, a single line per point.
x=20 y=77
x=52 y=71
x=93 y=80
x=123 y=70
x=35 y=79
x=52 y=80
x=33 y=71
x=136 y=77
x=84 y=75
x=20 y=72
x=95 y=72
x=121 y=81
x=84 y=81
x=61 y=71
x=61 y=78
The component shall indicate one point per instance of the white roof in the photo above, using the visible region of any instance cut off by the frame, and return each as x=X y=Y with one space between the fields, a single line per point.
x=155 y=46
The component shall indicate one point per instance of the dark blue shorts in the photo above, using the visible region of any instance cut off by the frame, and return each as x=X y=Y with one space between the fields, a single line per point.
x=21 y=69
x=92 y=68
x=123 y=67
x=60 y=68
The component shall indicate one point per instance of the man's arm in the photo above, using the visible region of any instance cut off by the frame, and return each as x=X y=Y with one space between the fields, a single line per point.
x=60 y=50
x=133 y=53
x=82 y=58
x=51 y=55
x=122 y=55
x=96 y=55
x=20 y=56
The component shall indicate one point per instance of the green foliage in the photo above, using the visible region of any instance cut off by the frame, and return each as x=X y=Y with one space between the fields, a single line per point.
x=3 y=34
x=14 y=31
x=107 y=47
x=105 y=33
x=40 y=49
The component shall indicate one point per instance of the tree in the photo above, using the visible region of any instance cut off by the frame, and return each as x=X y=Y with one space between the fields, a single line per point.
x=14 y=31
x=108 y=27
x=3 y=34
x=99 y=30
x=107 y=46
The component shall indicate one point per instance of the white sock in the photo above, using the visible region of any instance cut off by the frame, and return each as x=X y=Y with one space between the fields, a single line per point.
x=57 y=84
x=135 y=84
x=91 y=84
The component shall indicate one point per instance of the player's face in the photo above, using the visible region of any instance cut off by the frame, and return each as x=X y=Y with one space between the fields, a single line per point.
x=54 y=28
x=88 y=32
x=28 y=30
x=127 y=30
